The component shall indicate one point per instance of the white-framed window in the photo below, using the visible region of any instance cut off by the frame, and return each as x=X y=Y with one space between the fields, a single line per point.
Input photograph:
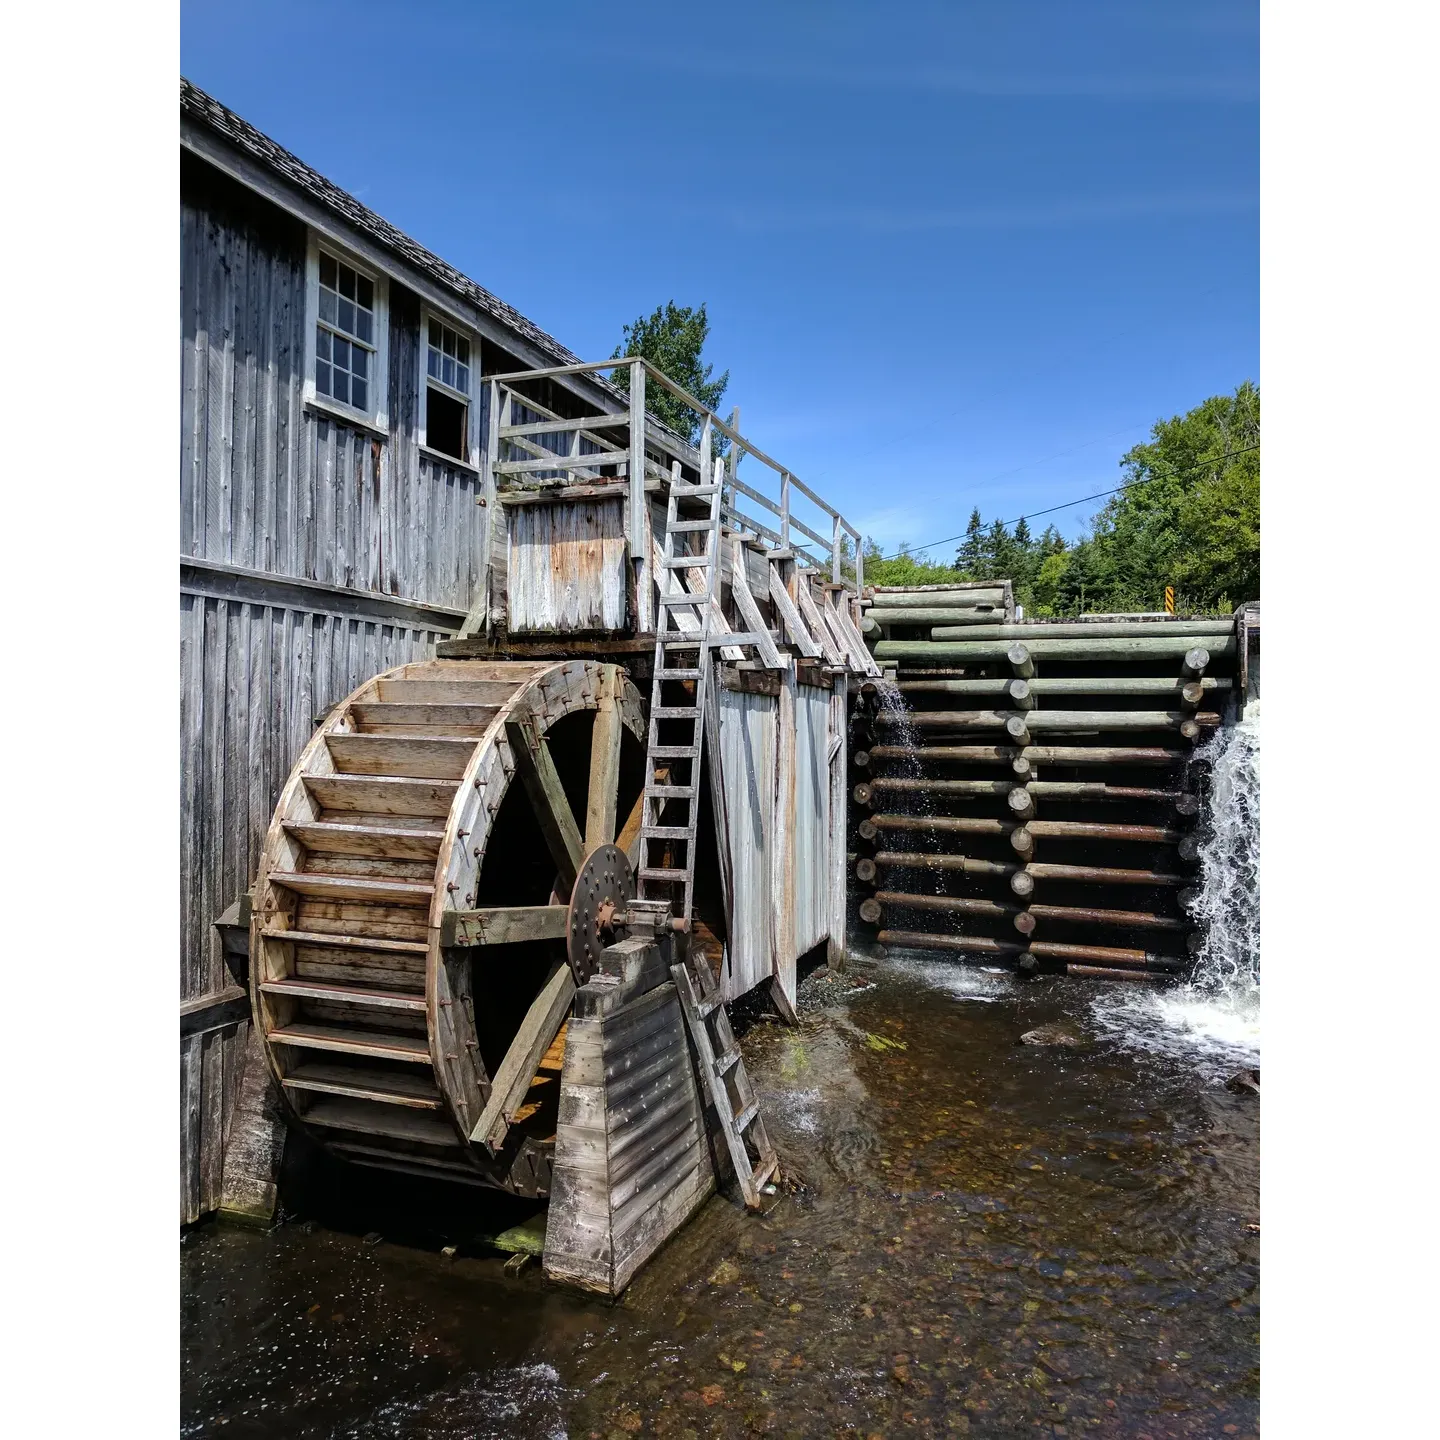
x=449 y=417
x=348 y=323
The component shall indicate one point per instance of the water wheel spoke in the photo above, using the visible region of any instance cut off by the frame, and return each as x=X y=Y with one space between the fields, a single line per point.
x=513 y=1079
x=502 y=925
x=547 y=796
x=604 y=791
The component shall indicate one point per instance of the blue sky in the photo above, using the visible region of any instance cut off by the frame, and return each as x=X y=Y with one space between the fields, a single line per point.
x=957 y=254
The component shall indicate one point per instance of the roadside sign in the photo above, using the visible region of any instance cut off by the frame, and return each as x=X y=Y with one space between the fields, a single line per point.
x=1169 y=599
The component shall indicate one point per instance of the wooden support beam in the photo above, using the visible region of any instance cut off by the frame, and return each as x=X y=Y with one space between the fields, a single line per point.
x=1087 y=630
x=604 y=788
x=1019 y=659
x=988 y=616
x=795 y=626
x=1086 y=915
x=1037 y=754
x=1127 y=648
x=1185 y=804
x=503 y=925
x=1070 y=685
x=216 y=1011
x=517 y=1070
x=547 y=796
x=1060 y=721
x=1052 y=829
x=750 y=614
x=1022 y=882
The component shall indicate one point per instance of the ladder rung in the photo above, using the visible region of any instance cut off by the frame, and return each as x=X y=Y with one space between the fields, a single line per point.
x=747 y=1115
x=673 y=752
x=763 y=1171
x=699 y=601
x=647 y=873
x=725 y=1063
x=690 y=525
x=693 y=492
x=681 y=674
x=685 y=562
x=670 y=792
x=665 y=832
x=674 y=712
x=709 y=1004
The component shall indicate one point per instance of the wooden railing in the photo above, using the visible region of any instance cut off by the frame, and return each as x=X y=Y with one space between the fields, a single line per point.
x=533 y=450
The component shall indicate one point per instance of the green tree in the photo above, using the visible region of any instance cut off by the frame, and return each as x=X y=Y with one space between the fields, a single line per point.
x=905 y=569
x=970 y=557
x=1190 y=515
x=672 y=338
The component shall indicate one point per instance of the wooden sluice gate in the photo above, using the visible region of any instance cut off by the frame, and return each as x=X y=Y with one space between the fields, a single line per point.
x=1028 y=791
x=508 y=891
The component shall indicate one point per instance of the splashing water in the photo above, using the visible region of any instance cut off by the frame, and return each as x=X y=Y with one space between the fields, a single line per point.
x=1214 y=1020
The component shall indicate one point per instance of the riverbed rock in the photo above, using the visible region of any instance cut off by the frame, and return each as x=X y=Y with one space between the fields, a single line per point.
x=1244 y=1080
x=1052 y=1035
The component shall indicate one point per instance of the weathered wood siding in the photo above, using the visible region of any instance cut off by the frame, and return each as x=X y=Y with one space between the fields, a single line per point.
x=747 y=770
x=811 y=849
x=567 y=566
x=779 y=786
x=267 y=485
x=270 y=494
x=254 y=678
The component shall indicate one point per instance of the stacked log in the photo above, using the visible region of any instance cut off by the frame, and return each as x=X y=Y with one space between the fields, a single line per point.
x=1029 y=798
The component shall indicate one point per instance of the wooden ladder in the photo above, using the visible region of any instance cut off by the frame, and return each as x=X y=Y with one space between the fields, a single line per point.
x=683 y=626
x=736 y=1107
x=665 y=784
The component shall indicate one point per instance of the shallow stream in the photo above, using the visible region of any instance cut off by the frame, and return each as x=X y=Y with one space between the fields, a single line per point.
x=991 y=1238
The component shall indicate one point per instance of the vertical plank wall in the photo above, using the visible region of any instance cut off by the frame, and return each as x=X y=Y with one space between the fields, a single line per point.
x=776 y=769
x=268 y=487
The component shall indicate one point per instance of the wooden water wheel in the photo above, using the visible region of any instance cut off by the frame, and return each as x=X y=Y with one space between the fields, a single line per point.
x=385 y=1023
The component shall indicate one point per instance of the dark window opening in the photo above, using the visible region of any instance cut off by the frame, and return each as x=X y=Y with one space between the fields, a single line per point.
x=446 y=427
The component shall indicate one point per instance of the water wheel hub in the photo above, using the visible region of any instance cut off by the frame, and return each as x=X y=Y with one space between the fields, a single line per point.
x=603 y=888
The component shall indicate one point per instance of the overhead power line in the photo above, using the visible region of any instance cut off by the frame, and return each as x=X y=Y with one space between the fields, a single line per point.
x=1099 y=494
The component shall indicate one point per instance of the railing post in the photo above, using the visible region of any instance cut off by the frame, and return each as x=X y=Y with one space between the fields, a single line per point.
x=638 y=529
x=727 y=497
x=859 y=564
x=784 y=509
x=835 y=552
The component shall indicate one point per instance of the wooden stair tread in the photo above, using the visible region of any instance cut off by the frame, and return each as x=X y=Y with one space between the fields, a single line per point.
x=352 y=887
x=415 y=1090
x=301 y=989
x=351 y=942
x=393 y=715
x=383 y=794
x=415 y=1048
x=363 y=1117
x=334 y=837
x=414 y=757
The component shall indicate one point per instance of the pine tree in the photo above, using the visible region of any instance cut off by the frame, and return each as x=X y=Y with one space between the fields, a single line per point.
x=970 y=557
x=672 y=339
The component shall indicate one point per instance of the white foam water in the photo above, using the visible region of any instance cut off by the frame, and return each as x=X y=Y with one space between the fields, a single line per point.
x=1212 y=1021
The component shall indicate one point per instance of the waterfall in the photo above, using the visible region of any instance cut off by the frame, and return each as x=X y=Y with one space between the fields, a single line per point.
x=1228 y=906
x=1213 y=1021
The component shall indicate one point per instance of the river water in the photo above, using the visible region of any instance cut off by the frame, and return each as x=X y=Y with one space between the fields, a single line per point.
x=991 y=1238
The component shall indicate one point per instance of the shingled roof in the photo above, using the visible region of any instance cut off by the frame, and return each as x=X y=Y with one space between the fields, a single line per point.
x=207 y=111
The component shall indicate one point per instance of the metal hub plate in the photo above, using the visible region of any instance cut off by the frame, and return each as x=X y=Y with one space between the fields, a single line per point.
x=605 y=878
